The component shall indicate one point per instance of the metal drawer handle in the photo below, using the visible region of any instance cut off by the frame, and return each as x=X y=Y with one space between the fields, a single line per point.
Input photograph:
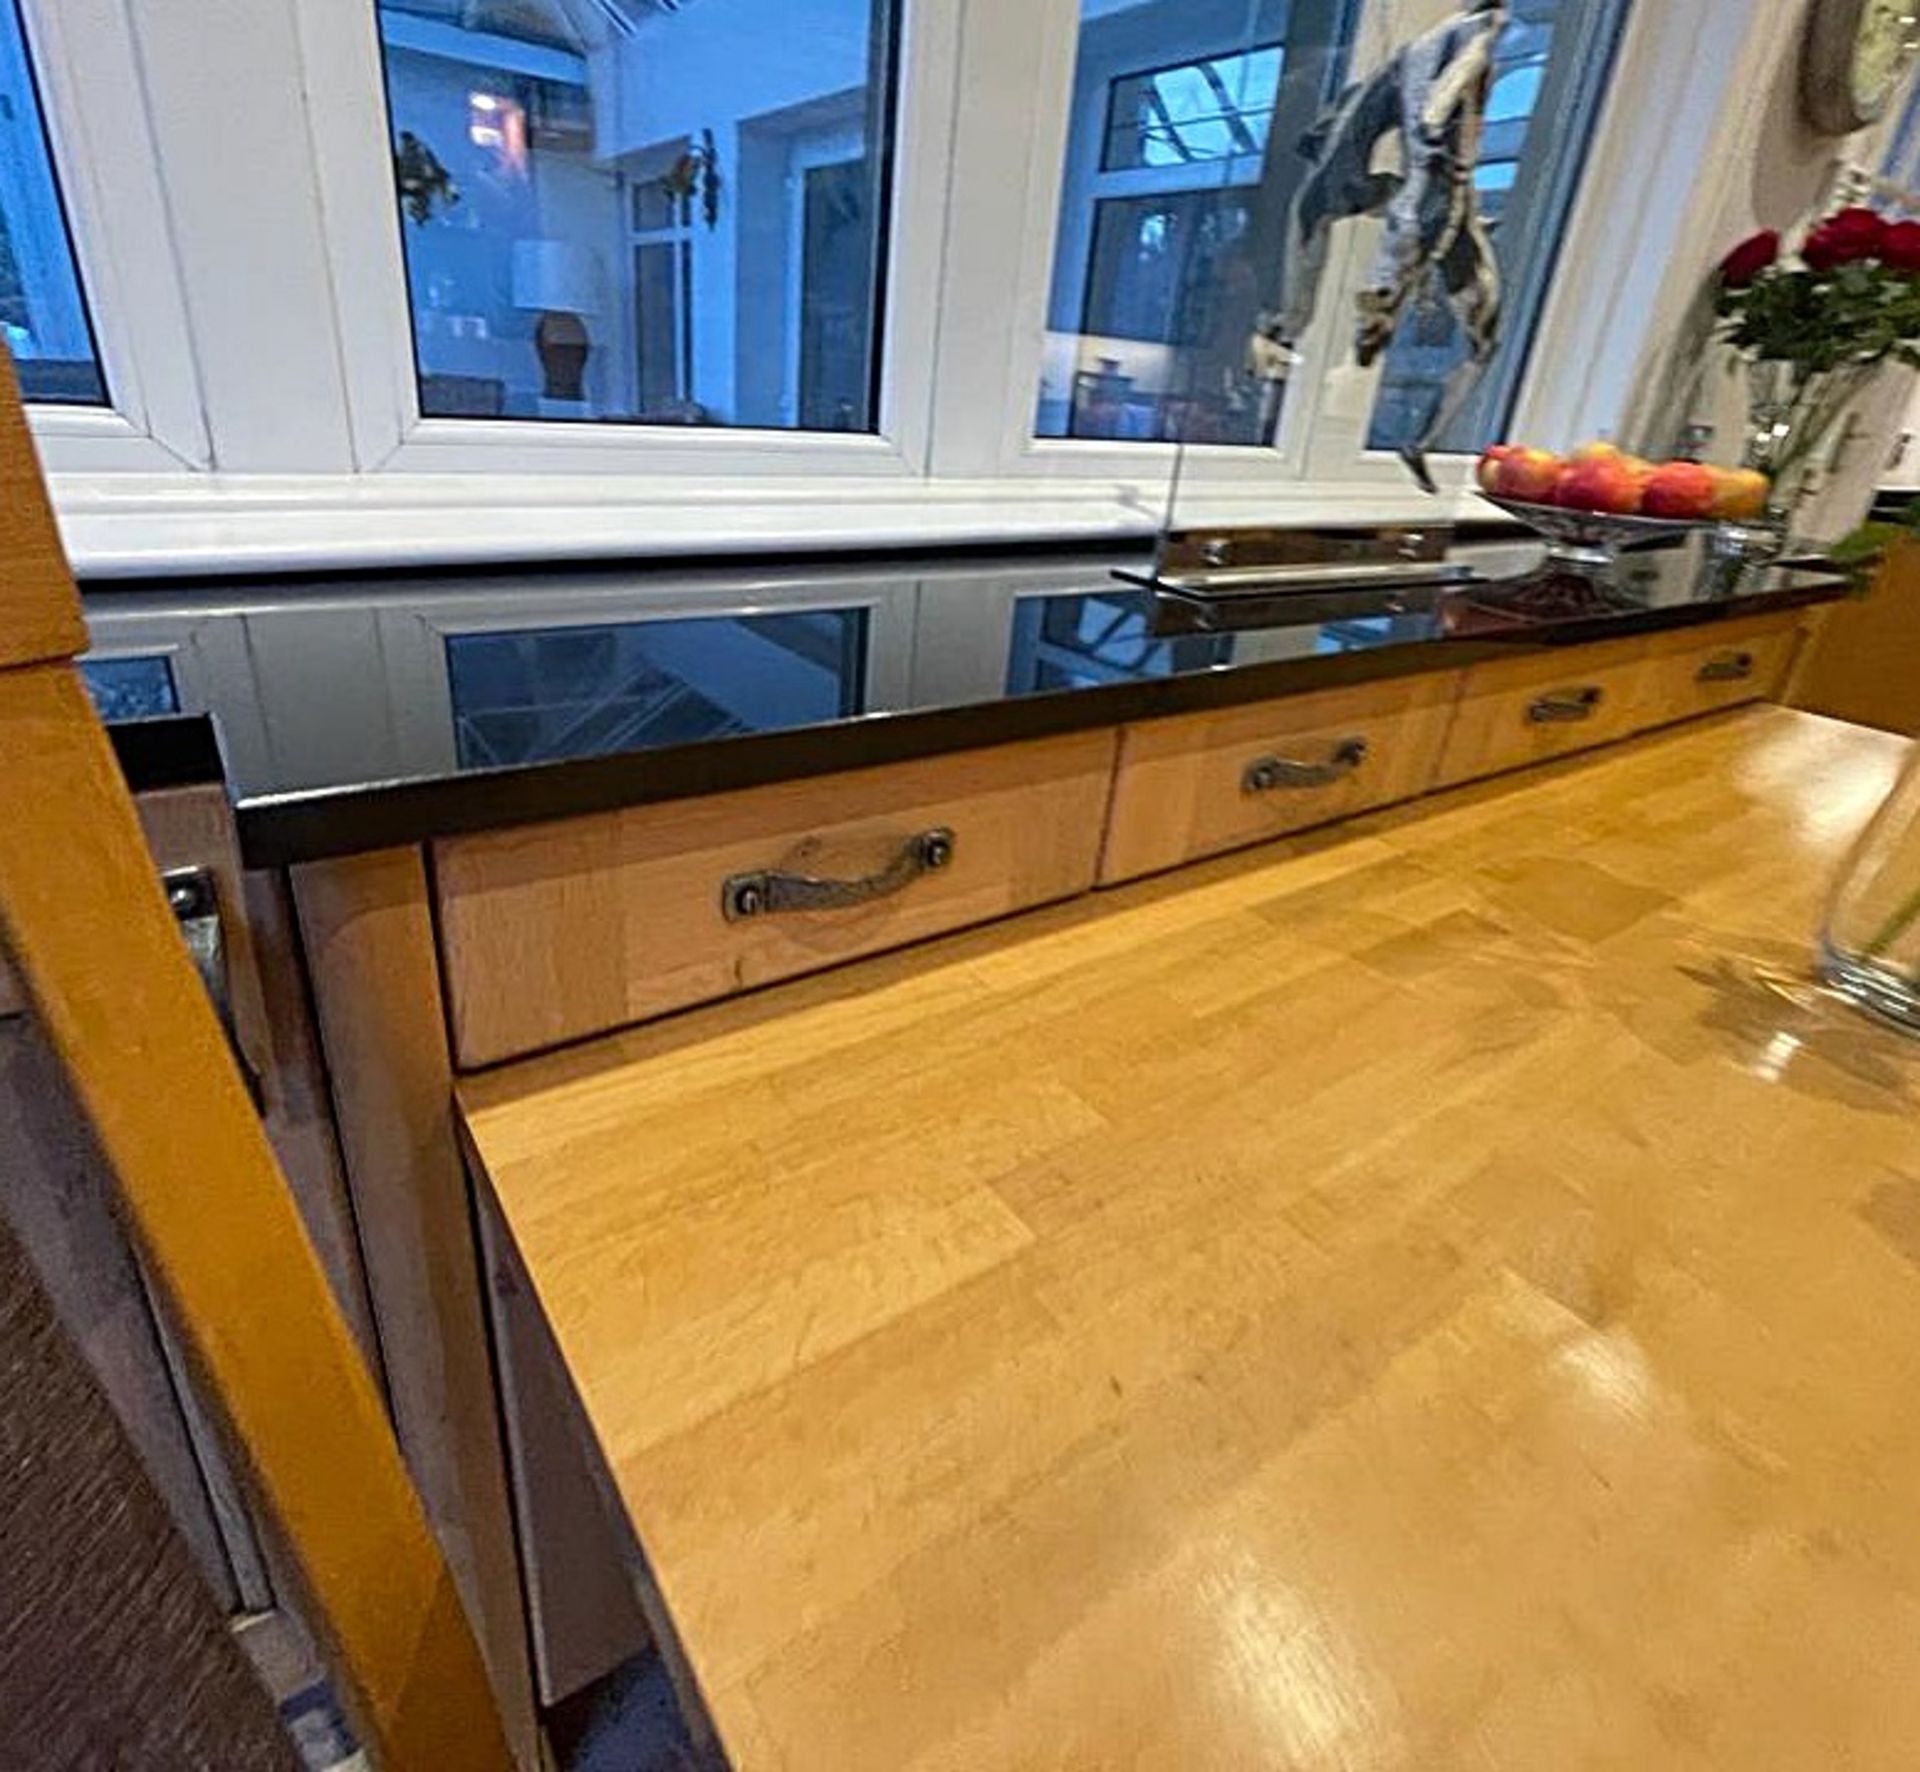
x=1564 y=706
x=769 y=892
x=1264 y=774
x=1729 y=667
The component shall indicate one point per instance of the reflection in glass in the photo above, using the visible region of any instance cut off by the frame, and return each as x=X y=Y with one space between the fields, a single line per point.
x=1182 y=157
x=1211 y=109
x=131 y=688
x=538 y=694
x=648 y=212
x=1551 y=62
x=42 y=311
x=1870 y=946
x=1082 y=642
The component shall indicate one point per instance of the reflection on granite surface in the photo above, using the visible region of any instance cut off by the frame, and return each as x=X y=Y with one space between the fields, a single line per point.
x=370 y=687
x=1078 y=642
x=536 y=694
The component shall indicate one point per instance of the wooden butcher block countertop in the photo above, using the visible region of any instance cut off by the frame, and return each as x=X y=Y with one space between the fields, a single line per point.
x=1410 y=1297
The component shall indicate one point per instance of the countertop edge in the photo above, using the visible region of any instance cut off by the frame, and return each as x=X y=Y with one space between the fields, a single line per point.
x=282 y=830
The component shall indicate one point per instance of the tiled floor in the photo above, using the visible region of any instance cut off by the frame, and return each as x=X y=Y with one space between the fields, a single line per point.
x=625 y=1722
x=319 y=1731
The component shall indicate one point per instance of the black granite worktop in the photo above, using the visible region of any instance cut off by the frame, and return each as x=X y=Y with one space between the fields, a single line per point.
x=498 y=703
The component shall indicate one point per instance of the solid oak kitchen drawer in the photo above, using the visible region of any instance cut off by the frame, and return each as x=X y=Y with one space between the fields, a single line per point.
x=1525 y=710
x=1201 y=783
x=1691 y=672
x=554 y=932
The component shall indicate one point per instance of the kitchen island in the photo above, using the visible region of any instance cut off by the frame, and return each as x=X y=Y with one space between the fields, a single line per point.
x=1411 y=1295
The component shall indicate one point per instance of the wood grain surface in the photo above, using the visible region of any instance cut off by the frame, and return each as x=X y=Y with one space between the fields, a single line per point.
x=1687 y=670
x=366 y=931
x=558 y=931
x=92 y=942
x=1492 y=726
x=84 y=920
x=1860 y=665
x=1179 y=790
x=39 y=606
x=577 y=1555
x=1408 y=1297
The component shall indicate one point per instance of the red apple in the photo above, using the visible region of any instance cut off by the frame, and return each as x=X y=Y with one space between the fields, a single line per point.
x=1599 y=482
x=1527 y=474
x=1679 y=489
x=1740 y=494
x=1488 y=471
x=1596 y=451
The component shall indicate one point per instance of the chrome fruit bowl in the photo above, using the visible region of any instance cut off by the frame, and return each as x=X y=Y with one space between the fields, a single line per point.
x=1595 y=538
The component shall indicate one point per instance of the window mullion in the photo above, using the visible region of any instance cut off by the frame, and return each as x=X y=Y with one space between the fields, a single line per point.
x=1015 y=78
x=88 y=79
x=229 y=115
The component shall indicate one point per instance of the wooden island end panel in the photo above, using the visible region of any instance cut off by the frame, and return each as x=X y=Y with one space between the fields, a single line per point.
x=1411 y=1297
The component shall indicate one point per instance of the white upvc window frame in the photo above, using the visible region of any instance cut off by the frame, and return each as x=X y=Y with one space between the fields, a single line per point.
x=1011 y=135
x=232 y=202
x=104 y=161
x=340 y=50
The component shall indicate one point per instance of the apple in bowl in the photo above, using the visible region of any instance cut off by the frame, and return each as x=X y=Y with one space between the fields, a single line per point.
x=1602 y=479
x=1526 y=474
x=1486 y=472
x=1685 y=490
x=1605 y=480
x=1740 y=494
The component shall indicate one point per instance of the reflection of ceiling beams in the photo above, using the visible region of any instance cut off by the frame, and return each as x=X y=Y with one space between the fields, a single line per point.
x=576 y=25
x=444 y=37
x=621 y=17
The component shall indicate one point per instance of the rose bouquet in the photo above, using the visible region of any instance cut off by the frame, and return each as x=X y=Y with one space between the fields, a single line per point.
x=1816 y=328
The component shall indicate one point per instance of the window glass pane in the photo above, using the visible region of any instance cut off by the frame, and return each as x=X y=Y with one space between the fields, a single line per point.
x=131 y=688
x=647 y=212
x=1550 y=71
x=41 y=307
x=1206 y=110
x=534 y=695
x=1182 y=158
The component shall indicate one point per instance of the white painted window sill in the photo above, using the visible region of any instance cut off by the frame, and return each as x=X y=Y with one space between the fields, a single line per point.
x=139 y=525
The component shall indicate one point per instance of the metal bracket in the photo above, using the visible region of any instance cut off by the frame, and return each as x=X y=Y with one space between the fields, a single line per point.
x=769 y=892
x=195 y=903
x=1264 y=774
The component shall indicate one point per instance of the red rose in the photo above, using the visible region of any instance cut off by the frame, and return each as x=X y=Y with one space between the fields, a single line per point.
x=1901 y=248
x=1844 y=239
x=1747 y=260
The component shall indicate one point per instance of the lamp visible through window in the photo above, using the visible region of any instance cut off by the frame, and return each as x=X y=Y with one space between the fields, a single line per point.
x=560 y=280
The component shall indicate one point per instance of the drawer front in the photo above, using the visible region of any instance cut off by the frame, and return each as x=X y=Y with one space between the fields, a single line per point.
x=1202 y=783
x=556 y=932
x=1526 y=710
x=1690 y=673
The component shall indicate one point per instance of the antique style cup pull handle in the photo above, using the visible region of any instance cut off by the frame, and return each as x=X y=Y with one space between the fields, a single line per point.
x=1264 y=774
x=1727 y=667
x=1563 y=706
x=770 y=892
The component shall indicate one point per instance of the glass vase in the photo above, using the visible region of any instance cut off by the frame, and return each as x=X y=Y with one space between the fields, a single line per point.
x=1790 y=414
x=1870 y=947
